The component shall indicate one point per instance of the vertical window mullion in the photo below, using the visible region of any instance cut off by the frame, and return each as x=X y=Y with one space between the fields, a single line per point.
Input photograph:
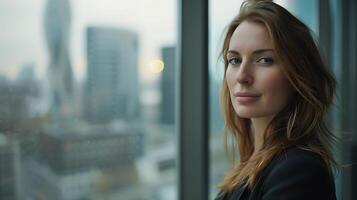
x=192 y=107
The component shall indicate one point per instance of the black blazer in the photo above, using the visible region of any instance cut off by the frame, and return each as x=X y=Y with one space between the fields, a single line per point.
x=295 y=174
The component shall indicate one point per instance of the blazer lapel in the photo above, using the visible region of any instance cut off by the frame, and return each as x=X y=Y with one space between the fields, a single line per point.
x=220 y=196
x=237 y=194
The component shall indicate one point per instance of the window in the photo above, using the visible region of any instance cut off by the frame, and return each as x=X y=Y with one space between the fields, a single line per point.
x=87 y=104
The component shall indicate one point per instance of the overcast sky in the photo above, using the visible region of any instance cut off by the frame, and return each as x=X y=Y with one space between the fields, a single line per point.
x=22 y=32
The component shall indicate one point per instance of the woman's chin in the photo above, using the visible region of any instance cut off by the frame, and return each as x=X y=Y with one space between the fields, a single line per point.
x=246 y=114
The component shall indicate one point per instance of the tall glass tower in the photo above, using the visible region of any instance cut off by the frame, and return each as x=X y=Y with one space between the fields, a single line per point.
x=112 y=85
x=57 y=33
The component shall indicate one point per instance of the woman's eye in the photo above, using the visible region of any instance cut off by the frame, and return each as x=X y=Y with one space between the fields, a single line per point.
x=234 y=61
x=265 y=60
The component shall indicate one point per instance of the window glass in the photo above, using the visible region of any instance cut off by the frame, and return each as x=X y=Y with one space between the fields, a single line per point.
x=87 y=99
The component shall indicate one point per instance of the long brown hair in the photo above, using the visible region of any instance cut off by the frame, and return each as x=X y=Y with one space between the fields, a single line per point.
x=301 y=123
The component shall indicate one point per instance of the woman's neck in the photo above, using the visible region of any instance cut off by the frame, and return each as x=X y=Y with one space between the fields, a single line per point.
x=258 y=127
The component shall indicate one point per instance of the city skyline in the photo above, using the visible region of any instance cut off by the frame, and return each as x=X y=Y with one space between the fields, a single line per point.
x=23 y=41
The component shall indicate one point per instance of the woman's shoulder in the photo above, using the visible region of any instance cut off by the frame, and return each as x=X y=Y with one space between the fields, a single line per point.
x=298 y=155
x=293 y=174
x=300 y=172
x=298 y=161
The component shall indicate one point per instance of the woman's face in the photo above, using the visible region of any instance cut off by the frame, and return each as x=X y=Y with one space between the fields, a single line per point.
x=257 y=86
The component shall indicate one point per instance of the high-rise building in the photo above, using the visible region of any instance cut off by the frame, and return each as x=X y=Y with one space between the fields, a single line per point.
x=57 y=32
x=111 y=89
x=167 y=110
x=15 y=102
x=75 y=163
x=9 y=169
x=69 y=151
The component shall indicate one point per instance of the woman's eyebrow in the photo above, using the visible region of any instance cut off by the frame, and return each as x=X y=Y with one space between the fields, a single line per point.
x=258 y=51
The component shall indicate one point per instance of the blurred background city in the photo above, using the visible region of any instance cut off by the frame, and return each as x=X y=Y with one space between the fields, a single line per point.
x=89 y=88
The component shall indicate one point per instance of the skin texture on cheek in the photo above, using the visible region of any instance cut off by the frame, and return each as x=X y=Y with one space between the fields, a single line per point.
x=277 y=92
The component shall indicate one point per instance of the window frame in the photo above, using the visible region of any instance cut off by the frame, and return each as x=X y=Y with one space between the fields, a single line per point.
x=193 y=105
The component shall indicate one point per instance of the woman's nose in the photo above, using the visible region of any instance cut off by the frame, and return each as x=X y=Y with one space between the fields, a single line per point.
x=244 y=75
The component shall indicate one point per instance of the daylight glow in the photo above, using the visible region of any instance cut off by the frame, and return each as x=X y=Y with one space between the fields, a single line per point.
x=156 y=66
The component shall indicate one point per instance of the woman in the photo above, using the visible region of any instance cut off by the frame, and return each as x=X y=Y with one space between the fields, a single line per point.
x=275 y=95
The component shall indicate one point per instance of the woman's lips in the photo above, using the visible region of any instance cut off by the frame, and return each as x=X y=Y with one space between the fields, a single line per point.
x=247 y=99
